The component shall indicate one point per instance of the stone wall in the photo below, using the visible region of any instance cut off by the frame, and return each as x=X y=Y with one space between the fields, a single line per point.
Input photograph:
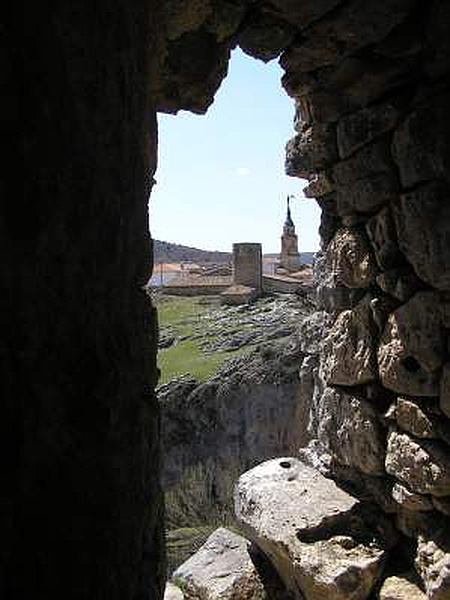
x=82 y=513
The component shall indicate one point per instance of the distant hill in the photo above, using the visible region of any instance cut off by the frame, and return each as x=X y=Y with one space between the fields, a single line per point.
x=166 y=252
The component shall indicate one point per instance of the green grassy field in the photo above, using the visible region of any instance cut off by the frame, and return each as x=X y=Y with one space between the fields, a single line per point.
x=187 y=316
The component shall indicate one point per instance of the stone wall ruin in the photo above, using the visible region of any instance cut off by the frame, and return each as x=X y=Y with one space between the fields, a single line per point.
x=371 y=85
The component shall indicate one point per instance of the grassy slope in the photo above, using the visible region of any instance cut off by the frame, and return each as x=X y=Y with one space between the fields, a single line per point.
x=185 y=316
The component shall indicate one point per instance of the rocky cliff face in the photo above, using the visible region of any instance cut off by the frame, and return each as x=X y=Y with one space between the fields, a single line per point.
x=214 y=431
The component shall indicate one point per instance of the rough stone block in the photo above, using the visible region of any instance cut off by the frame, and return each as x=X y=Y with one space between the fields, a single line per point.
x=383 y=237
x=320 y=185
x=221 y=569
x=349 y=349
x=445 y=390
x=411 y=416
x=318 y=537
x=424 y=466
x=349 y=429
x=350 y=258
x=358 y=129
x=302 y=14
x=311 y=150
x=410 y=500
x=373 y=159
x=433 y=565
x=421 y=145
x=422 y=221
x=412 y=347
x=265 y=36
x=400 y=283
x=327 y=41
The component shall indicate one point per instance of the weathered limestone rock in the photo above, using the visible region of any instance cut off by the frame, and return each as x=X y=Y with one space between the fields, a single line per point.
x=424 y=466
x=349 y=354
x=221 y=570
x=373 y=159
x=422 y=221
x=442 y=504
x=173 y=592
x=312 y=331
x=350 y=258
x=362 y=127
x=413 y=522
x=401 y=283
x=401 y=587
x=421 y=145
x=412 y=348
x=349 y=428
x=382 y=235
x=316 y=535
x=327 y=41
x=413 y=418
x=433 y=565
x=320 y=185
x=331 y=296
x=303 y=14
x=365 y=181
x=445 y=390
x=410 y=500
x=311 y=150
x=265 y=36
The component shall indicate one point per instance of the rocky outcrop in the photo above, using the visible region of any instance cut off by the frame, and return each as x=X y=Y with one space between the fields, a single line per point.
x=214 y=431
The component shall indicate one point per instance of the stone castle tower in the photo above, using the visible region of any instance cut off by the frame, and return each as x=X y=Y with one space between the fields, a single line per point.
x=290 y=257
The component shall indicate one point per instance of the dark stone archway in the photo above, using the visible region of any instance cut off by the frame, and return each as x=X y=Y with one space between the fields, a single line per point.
x=371 y=85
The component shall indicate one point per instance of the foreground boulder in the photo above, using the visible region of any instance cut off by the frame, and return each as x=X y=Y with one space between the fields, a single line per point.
x=173 y=592
x=221 y=570
x=323 y=542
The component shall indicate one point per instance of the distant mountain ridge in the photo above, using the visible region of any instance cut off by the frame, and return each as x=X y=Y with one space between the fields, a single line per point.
x=166 y=252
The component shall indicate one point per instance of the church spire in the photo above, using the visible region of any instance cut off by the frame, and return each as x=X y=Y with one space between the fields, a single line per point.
x=288 y=222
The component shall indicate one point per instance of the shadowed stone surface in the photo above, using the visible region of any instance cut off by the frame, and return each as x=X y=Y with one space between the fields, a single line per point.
x=422 y=220
x=411 y=349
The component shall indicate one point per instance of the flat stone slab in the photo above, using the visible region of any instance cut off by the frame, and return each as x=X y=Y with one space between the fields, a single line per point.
x=314 y=533
x=221 y=569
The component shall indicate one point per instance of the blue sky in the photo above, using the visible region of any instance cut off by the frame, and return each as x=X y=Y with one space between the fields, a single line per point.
x=220 y=176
